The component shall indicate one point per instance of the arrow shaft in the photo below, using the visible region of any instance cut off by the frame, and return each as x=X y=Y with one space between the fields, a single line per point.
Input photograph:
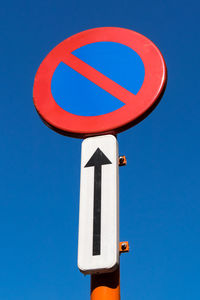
x=97 y=211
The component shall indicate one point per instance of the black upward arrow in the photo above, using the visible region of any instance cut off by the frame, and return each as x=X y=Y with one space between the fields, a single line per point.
x=97 y=160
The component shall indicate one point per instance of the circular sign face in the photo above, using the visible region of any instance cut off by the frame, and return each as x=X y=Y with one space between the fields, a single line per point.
x=99 y=81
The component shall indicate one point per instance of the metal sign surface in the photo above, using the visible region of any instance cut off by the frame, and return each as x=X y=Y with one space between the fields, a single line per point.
x=98 y=243
x=99 y=81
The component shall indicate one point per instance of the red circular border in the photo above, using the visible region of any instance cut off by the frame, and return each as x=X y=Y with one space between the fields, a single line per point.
x=80 y=126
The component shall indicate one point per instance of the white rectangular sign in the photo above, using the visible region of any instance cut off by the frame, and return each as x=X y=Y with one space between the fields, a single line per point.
x=98 y=242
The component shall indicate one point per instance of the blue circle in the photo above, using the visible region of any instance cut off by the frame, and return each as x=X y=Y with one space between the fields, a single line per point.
x=78 y=95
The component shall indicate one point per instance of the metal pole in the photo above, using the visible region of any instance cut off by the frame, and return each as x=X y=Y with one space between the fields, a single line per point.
x=105 y=286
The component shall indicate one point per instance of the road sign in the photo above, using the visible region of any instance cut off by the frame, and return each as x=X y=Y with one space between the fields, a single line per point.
x=98 y=243
x=99 y=81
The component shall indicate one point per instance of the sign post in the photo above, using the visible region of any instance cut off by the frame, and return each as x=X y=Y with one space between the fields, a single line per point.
x=95 y=85
x=105 y=286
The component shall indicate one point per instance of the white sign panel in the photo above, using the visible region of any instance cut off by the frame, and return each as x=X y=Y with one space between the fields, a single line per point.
x=98 y=242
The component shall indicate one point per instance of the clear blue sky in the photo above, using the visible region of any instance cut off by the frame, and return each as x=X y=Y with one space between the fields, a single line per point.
x=159 y=188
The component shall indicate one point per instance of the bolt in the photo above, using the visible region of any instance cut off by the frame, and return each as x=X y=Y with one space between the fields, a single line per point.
x=121 y=160
x=124 y=246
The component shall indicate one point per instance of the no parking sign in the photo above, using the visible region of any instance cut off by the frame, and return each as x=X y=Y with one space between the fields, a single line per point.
x=99 y=81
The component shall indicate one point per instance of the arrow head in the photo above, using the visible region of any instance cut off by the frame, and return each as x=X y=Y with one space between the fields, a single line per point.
x=98 y=159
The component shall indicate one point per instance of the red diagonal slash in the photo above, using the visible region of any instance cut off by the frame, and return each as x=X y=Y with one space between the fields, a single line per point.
x=99 y=79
